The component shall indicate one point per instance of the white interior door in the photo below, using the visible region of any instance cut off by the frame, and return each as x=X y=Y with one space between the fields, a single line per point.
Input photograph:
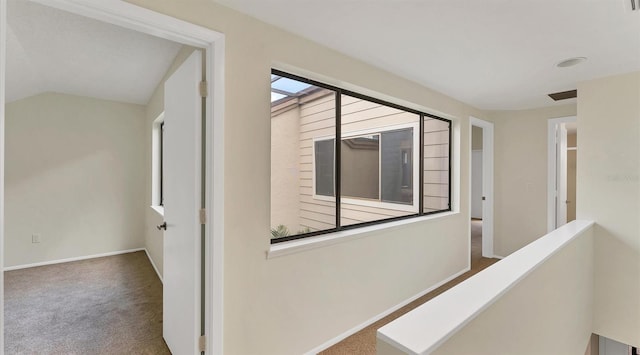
x=561 y=181
x=182 y=149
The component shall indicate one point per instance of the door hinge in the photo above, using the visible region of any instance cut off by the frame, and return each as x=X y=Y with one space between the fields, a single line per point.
x=202 y=343
x=204 y=91
x=203 y=216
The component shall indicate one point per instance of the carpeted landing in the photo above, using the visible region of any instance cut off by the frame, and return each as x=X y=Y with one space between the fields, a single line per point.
x=364 y=341
x=109 y=305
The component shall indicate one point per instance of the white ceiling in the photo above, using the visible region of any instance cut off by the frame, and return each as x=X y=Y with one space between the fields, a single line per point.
x=492 y=54
x=53 y=50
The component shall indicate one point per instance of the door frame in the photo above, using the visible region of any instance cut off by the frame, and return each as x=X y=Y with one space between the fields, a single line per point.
x=552 y=170
x=147 y=21
x=487 y=185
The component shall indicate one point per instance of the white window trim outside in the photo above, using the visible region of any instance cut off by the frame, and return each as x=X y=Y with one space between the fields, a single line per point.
x=370 y=203
x=155 y=164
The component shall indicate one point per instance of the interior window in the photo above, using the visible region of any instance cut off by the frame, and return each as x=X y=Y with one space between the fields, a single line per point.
x=391 y=162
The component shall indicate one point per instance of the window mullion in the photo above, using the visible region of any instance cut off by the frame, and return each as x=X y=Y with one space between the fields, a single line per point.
x=338 y=151
x=421 y=167
x=380 y=167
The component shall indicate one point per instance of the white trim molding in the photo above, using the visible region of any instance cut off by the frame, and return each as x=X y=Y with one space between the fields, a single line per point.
x=140 y=19
x=75 y=258
x=153 y=264
x=86 y=257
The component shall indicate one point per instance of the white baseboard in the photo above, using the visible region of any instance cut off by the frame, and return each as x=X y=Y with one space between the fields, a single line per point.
x=60 y=261
x=498 y=257
x=376 y=318
x=153 y=264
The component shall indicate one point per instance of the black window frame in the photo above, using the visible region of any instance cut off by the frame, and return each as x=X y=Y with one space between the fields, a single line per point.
x=337 y=152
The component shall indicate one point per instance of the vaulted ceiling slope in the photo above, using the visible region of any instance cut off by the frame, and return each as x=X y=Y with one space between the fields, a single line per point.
x=53 y=50
x=492 y=54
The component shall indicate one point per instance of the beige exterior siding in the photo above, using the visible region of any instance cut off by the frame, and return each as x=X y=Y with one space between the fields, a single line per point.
x=317 y=120
x=436 y=165
x=285 y=207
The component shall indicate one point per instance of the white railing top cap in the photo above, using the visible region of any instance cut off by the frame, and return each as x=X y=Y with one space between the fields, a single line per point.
x=425 y=328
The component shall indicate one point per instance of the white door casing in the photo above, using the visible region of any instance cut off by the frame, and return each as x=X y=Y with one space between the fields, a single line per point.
x=182 y=152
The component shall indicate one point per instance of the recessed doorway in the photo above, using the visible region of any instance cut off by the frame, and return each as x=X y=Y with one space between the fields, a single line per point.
x=561 y=179
x=481 y=188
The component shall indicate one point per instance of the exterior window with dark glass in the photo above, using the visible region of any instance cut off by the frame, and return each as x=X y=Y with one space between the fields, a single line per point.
x=397 y=166
x=342 y=160
x=324 y=163
x=361 y=167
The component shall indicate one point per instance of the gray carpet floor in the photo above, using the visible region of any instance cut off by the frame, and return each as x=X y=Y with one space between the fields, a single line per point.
x=109 y=305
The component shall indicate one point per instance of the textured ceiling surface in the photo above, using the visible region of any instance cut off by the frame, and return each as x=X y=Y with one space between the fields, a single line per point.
x=53 y=50
x=492 y=54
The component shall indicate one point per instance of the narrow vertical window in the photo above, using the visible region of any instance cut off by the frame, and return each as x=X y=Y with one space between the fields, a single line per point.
x=157 y=168
x=161 y=152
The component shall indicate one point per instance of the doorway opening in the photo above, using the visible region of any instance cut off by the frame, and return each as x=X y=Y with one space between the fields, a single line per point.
x=476 y=194
x=561 y=180
x=129 y=17
x=481 y=190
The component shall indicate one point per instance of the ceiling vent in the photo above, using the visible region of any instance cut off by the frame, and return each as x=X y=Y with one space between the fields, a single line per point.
x=564 y=95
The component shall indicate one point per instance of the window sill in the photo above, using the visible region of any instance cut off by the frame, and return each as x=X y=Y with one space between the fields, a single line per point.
x=159 y=210
x=296 y=246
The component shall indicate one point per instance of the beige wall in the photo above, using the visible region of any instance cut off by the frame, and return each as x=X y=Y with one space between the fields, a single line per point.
x=608 y=191
x=520 y=175
x=291 y=304
x=75 y=175
x=152 y=236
